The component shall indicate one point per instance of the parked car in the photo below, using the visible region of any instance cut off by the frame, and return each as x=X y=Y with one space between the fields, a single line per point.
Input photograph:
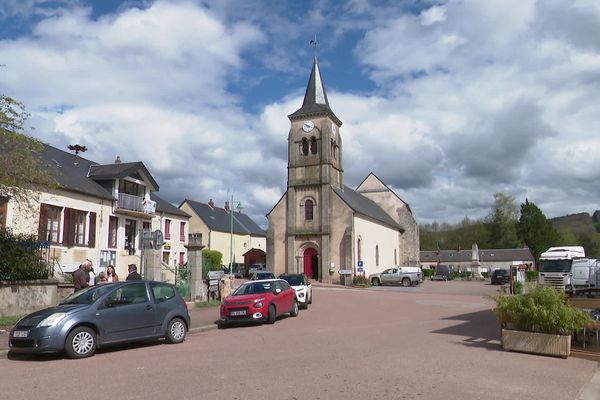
x=102 y=315
x=255 y=276
x=437 y=277
x=259 y=301
x=257 y=267
x=500 y=277
x=446 y=272
x=301 y=284
x=405 y=276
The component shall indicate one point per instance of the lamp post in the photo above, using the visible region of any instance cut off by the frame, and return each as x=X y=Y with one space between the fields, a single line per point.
x=239 y=208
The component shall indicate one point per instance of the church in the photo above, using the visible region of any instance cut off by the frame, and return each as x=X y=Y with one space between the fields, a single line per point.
x=320 y=226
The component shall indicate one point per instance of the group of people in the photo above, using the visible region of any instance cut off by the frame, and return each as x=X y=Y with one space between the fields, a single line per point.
x=81 y=277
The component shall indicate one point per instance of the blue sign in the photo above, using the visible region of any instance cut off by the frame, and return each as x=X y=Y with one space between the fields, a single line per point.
x=360 y=263
x=360 y=269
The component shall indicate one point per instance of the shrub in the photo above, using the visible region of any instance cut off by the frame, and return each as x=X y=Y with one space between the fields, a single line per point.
x=531 y=276
x=428 y=273
x=361 y=280
x=20 y=258
x=485 y=275
x=544 y=310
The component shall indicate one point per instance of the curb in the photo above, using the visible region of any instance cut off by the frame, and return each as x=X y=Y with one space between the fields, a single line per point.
x=191 y=331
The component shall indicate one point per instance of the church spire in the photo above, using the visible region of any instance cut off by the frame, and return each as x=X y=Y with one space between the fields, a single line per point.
x=315 y=98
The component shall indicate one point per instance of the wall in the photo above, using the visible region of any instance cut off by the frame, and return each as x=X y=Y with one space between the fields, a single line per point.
x=373 y=234
x=276 y=240
x=25 y=297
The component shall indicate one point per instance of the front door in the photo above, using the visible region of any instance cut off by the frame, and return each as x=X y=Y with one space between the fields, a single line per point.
x=311 y=263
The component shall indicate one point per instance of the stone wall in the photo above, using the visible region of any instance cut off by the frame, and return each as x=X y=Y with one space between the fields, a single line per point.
x=24 y=297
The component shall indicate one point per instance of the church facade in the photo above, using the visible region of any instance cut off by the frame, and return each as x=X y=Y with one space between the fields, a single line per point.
x=320 y=226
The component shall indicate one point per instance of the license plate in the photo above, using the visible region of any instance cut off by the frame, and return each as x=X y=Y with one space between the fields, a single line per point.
x=20 y=333
x=240 y=312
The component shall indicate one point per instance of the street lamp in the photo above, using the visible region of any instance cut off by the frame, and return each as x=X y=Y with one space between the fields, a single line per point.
x=239 y=208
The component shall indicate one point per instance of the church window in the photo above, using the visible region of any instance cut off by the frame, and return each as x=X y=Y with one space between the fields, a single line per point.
x=377 y=255
x=308 y=210
x=313 y=145
x=304 y=146
x=358 y=249
x=395 y=257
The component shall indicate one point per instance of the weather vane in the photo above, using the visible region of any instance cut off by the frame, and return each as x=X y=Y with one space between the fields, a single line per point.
x=77 y=148
x=314 y=43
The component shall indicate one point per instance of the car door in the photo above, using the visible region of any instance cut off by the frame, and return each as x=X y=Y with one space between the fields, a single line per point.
x=127 y=313
x=387 y=276
x=279 y=298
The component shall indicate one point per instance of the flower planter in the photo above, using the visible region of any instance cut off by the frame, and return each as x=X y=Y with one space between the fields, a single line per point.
x=536 y=343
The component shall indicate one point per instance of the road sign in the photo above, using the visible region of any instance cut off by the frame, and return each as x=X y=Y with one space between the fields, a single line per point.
x=360 y=263
x=360 y=269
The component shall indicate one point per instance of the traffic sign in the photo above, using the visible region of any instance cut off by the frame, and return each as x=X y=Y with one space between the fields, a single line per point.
x=360 y=263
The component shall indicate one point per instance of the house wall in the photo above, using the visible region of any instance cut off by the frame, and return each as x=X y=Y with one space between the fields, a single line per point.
x=172 y=248
x=276 y=239
x=374 y=235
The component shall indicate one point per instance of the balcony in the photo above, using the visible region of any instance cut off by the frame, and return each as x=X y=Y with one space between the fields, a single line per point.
x=135 y=206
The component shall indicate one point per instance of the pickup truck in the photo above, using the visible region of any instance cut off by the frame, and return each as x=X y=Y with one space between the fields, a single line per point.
x=405 y=276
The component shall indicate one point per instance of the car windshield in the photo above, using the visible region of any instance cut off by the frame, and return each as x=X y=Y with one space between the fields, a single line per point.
x=265 y=275
x=87 y=295
x=555 y=265
x=294 y=280
x=500 y=272
x=253 y=288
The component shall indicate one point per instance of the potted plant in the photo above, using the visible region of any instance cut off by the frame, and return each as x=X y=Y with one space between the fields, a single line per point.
x=539 y=322
x=361 y=281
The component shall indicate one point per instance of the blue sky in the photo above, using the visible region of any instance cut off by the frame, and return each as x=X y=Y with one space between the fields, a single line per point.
x=447 y=101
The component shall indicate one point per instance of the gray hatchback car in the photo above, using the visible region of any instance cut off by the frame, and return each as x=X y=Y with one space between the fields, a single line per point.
x=101 y=315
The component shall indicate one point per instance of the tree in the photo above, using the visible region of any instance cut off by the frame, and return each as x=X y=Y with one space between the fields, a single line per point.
x=502 y=222
x=21 y=167
x=535 y=230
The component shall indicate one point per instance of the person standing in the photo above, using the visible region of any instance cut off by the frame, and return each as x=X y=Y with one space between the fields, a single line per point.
x=133 y=274
x=81 y=277
x=111 y=275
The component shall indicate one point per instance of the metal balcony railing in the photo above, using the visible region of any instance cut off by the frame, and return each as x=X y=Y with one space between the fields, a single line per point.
x=136 y=203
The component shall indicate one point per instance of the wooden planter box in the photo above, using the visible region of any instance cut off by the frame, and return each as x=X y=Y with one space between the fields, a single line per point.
x=536 y=343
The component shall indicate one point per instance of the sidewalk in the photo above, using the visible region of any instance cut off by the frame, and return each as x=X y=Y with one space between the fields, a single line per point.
x=202 y=319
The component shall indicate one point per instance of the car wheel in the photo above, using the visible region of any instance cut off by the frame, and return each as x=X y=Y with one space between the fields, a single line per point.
x=81 y=342
x=294 y=310
x=272 y=315
x=406 y=282
x=376 y=282
x=176 y=331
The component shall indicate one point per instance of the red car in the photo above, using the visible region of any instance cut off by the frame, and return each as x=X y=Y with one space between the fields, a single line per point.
x=259 y=301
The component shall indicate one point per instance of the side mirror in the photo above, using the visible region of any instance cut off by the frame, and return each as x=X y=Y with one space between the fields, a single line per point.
x=277 y=291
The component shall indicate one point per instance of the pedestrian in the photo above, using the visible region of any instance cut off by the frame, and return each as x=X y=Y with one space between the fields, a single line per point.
x=81 y=277
x=133 y=274
x=102 y=277
x=111 y=275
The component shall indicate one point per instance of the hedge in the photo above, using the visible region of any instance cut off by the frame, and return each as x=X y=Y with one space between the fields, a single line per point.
x=20 y=258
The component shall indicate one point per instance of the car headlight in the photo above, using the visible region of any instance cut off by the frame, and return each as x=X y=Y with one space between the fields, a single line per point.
x=53 y=319
x=258 y=305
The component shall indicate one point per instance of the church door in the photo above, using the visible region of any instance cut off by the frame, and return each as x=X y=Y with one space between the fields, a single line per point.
x=311 y=263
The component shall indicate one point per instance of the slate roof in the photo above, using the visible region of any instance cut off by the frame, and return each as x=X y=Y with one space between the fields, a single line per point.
x=121 y=170
x=70 y=171
x=365 y=206
x=217 y=219
x=485 y=255
x=164 y=206
x=315 y=98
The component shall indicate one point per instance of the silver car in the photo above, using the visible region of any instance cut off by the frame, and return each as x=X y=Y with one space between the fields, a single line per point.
x=405 y=276
x=101 y=315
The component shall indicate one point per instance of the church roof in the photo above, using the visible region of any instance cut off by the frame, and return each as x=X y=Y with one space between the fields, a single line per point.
x=217 y=219
x=365 y=206
x=315 y=99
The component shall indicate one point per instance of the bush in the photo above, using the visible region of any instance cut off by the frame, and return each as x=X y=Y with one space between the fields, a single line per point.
x=428 y=273
x=485 y=275
x=211 y=261
x=20 y=258
x=361 y=280
x=531 y=276
x=544 y=310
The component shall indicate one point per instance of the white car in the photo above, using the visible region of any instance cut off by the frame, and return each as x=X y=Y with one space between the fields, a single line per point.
x=301 y=284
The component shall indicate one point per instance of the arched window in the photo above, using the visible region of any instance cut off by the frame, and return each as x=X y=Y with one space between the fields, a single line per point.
x=313 y=145
x=358 y=250
x=377 y=255
x=395 y=257
x=308 y=210
x=304 y=146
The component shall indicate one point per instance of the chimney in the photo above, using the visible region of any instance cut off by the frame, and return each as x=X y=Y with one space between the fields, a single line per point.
x=118 y=160
x=226 y=206
x=211 y=204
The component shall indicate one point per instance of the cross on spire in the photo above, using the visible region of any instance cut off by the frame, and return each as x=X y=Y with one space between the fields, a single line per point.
x=314 y=43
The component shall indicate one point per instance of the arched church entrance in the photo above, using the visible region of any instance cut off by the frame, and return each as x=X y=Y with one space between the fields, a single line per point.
x=311 y=263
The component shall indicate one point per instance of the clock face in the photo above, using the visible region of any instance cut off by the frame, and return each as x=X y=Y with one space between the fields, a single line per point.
x=308 y=126
x=333 y=129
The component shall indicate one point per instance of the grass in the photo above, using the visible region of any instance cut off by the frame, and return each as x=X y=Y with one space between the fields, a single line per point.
x=9 y=320
x=209 y=303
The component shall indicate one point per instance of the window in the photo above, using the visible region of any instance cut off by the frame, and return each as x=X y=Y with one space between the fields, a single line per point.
x=182 y=231
x=130 y=294
x=313 y=145
x=304 y=146
x=165 y=257
x=308 y=210
x=358 y=249
x=130 y=231
x=377 y=255
x=146 y=226
x=167 y=229
x=78 y=227
x=49 y=228
x=181 y=258
x=162 y=292
x=113 y=223
x=395 y=257
x=131 y=188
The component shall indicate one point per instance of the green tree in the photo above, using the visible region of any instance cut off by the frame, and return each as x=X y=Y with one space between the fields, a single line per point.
x=590 y=243
x=212 y=259
x=21 y=167
x=535 y=230
x=502 y=222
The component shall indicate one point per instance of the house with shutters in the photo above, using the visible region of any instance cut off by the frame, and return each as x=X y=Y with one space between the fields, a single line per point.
x=98 y=212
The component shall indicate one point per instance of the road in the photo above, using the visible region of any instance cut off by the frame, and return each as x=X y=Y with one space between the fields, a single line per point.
x=350 y=344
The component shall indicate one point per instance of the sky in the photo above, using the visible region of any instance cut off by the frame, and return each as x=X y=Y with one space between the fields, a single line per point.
x=448 y=102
